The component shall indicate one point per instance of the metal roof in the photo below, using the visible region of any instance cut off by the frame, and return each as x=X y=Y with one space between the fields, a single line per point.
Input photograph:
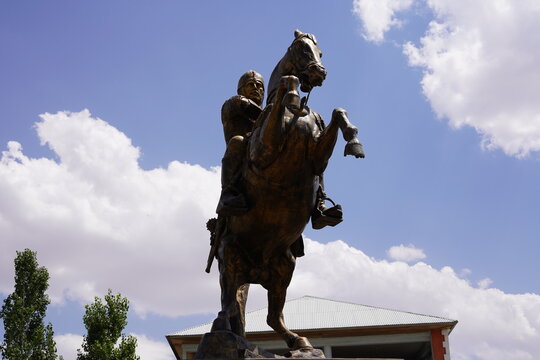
x=311 y=313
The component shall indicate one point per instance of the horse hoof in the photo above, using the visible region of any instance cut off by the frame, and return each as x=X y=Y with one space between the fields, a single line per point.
x=301 y=343
x=354 y=148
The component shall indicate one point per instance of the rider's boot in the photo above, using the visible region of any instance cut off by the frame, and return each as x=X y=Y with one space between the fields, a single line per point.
x=324 y=216
x=231 y=201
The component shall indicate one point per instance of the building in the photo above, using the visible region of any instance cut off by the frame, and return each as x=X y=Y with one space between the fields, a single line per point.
x=341 y=330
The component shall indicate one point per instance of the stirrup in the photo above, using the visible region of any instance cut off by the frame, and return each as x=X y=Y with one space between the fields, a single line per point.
x=326 y=217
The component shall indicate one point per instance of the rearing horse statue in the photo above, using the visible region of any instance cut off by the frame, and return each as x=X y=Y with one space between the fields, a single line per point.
x=287 y=154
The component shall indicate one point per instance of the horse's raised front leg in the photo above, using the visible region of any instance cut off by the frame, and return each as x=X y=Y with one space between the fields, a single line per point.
x=353 y=147
x=282 y=270
x=327 y=140
x=268 y=140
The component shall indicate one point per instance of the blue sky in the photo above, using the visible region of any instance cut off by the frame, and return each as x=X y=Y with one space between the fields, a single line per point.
x=450 y=124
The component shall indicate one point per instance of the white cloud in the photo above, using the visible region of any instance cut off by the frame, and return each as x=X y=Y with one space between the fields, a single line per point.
x=482 y=65
x=406 y=253
x=141 y=232
x=67 y=345
x=99 y=221
x=149 y=349
x=484 y=283
x=482 y=69
x=377 y=16
x=492 y=324
x=465 y=272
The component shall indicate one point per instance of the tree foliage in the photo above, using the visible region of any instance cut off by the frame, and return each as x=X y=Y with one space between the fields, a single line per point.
x=104 y=322
x=26 y=337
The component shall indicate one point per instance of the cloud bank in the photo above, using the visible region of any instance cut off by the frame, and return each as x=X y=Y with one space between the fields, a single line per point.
x=407 y=253
x=481 y=61
x=378 y=16
x=99 y=221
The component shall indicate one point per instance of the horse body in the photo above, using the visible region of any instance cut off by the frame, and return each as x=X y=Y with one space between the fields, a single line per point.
x=282 y=195
x=288 y=151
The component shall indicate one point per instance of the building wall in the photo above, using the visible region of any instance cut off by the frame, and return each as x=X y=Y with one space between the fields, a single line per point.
x=350 y=344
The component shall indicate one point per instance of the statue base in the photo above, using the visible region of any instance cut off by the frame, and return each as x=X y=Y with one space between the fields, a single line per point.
x=305 y=354
x=227 y=345
x=224 y=344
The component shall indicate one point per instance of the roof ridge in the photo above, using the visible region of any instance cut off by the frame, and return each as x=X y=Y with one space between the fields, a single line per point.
x=193 y=327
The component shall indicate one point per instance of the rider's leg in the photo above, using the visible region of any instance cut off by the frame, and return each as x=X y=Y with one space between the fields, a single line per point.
x=232 y=201
x=321 y=195
x=322 y=215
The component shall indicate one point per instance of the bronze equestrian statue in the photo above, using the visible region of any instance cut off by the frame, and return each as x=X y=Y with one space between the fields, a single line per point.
x=284 y=159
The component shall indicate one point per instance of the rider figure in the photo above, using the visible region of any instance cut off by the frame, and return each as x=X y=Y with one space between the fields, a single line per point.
x=238 y=115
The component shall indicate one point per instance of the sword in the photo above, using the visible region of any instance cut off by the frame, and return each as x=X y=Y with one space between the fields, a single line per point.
x=215 y=228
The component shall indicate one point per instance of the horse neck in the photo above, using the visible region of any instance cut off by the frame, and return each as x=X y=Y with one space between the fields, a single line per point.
x=284 y=67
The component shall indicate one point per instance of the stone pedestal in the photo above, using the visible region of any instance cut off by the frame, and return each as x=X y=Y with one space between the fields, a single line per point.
x=305 y=354
x=228 y=345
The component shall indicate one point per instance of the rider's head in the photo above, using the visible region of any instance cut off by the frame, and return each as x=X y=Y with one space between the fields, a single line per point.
x=251 y=85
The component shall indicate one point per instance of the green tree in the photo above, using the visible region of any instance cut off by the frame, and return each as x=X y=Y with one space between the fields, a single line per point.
x=26 y=337
x=104 y=322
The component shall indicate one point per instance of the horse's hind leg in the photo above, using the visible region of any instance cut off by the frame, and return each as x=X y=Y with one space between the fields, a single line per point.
x=231 y=316
x=282 y=269
x=238 y=321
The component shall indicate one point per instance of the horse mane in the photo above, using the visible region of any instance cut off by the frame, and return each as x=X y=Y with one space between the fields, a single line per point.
x=273 y=82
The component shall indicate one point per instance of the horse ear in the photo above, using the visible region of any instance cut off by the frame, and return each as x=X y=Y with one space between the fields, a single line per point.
x=297 y=33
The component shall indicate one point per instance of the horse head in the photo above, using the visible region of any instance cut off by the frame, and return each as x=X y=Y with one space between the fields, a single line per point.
x=303 y=60
x=304 y=56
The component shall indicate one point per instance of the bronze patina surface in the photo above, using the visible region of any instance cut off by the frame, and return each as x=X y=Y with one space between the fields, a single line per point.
x=272 y=185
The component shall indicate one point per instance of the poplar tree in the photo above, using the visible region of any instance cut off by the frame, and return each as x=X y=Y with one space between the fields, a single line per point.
x=105 y=322
x=26 y=337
